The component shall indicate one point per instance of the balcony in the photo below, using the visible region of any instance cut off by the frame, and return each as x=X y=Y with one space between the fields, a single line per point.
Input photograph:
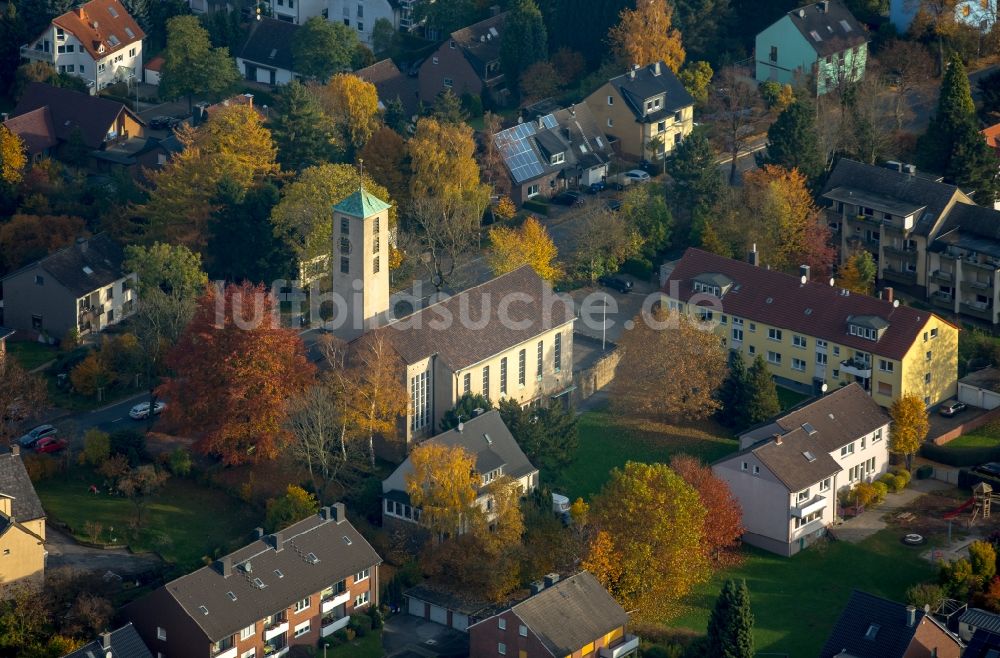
x=981 y=310
x=275 y=630
x=857 y=368
x=28 y=52
x=627 y=647
x=940 y=276
x=333 y=602
x=897 y=276
x=977 y=286
x=868 y=219
x=814 y=505
x=909 y=253
x=335 y=625
x=943 y=300
x=231 y=652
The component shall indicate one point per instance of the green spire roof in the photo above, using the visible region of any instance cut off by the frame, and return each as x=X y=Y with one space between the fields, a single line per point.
x=361 y=204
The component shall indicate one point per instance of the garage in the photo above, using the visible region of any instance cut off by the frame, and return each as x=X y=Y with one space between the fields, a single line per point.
x=460 y=622
x=439 y=615
x=416 y=607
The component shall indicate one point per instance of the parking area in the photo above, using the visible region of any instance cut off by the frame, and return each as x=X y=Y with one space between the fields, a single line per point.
x=406 y=636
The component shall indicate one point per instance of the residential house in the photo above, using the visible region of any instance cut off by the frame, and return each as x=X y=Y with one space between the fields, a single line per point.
x=983 y=644
x=48 y=116
x=81 y=288
x=873 y=627
x=152 y=70
x=812 y=334
x=497 y=454
x=974 y=619
x=362 y=15
x=297 y=11
x=98 y=41
x=36 y=130
x=545 y=155
x=647 y=111
x=22 y=523
x=288 y=588
x=466 y=63
x=516 y=343
x=822 y=43
x=122 y=642
x=788 y=472
x=391 y=84
x=977 y=14
x=573 y=617
x=992 y=135
x=266 y=57
x=925 y=235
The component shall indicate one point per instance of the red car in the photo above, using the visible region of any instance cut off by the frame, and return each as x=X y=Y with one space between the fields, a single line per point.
x=51 y=444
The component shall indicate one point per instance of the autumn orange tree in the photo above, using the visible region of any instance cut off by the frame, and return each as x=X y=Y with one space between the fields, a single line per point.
x=442 y=483
x=909 y=426
x=724 y=519
x=858 y=273
x=12 y=157
x=674 y=368
x=27 y=238
x=384 y=158
x=648 y=550
x=529 y=244
x=352 y=104
x=235 y=371
x=377 y=394
x=646 y=35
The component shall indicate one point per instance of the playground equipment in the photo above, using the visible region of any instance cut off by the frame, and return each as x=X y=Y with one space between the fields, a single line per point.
x=982 y=497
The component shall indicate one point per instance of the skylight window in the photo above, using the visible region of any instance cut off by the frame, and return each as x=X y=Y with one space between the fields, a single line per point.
x=231 y=595
x=130 y=33
x=815 y=35
x=810 y=430
x=846 y=26
x=311 y=558
x=113 y=40
x=277 y=572
x=872 y=632
x=347 y=540
x=809 y=456
x=274 y=51
x=87 y=270
x=203 y=609
x=258 y=583
x=113 y=12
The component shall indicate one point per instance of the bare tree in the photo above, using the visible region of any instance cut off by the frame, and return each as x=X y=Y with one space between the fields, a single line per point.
x=737 y=112
x=871 y=120
x=22 y=395
x=446 y=231
x=909 y=70
x=137 y=484
x=491 y=164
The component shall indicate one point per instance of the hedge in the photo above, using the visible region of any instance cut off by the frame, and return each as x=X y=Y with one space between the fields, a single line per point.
x=536 y=206
x=960 y=456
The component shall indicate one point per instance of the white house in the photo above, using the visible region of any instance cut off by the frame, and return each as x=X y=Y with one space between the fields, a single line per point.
x=789 y=471
x=362 y=14
x=98 y=41
x=298 y=11
x=266 y=57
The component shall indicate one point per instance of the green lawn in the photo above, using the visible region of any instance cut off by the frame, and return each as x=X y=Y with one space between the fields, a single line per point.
x=369 y=646
x=977 y=439
x=797 y=600
x=182 y=522
x=608 y=441
x=789 y=398
x=31 y=354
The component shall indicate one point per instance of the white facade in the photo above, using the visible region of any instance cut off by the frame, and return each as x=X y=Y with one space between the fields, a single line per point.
x=298 y=11
x=361 y=15
x=268 y=75
x=64 y=51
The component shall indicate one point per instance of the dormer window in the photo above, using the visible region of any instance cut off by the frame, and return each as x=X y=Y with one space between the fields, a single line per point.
x=653 y=104
x=707 y=288
x=492 y=475
x=869 y=327
x=557 y=158
x=862 y=332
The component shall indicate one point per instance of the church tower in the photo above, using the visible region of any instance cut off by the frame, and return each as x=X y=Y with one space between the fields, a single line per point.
x=360 y=262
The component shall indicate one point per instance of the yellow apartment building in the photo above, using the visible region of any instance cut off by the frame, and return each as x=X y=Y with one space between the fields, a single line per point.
x=813 y=334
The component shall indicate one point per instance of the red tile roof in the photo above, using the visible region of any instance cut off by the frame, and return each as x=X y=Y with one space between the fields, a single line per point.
x=155 y=64
x=781 y=300
x=35 y=129
x=95 y=22
x=992 y=135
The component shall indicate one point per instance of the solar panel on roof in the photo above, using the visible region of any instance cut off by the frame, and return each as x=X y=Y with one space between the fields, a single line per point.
x=517 y=152
x=549 y=121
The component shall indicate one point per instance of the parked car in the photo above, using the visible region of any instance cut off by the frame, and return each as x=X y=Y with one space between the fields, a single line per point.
x=637 y=176
x=951 y=408
x=141 y=410
x=597 y=187
x=616 y=283
x=990 y=468
x=40 y=432
x=50 y=444
x=614 y=205
x=569 y=198
x=161 y=122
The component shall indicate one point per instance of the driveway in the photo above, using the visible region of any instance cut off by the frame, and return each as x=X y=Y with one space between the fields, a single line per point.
x=64 y=552
x=406 y=636
x=862 y=527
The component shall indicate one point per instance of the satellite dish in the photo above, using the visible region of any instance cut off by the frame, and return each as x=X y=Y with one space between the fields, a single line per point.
x=831 y=282
x=803 y=279
x=824 y=388
x=895 y=303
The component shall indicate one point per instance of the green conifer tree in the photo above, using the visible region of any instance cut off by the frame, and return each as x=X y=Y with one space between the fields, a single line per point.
x=793 y=141
x=762 y=394
x=730 y=627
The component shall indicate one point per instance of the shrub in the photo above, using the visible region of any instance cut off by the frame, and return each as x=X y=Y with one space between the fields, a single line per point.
x=505 y=208
x=889 y=480
x=925 y=594
x=536 y=206
x=956 y=578
x=900 y=482
x=881 y=489
x=131 y=444
x=983 y=558
x=350 y=634
x=179 y=462
x=377 y=618
x=901 y=472
x=96 y=447
x=40 y=467
x=863 y=494
x=970 y=456
x=361 y=623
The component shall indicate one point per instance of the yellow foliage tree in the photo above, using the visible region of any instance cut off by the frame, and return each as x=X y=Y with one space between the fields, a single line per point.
x=500 y=528
x=238 y=143
x=858 y=273
x=90 y=375
x=650 y=516
x=443 y=160
x=530 y=244
x=352 y=104
x=443 y=485
x=646 y=35
x=12 y=157
x=909 y=426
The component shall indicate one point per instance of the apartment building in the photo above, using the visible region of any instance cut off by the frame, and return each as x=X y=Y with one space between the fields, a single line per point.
x=815 y=335
x=646 y=110
x=98 y=41
x=788 y=471
x=497 y=454
x=288 y=588
x=925 y=235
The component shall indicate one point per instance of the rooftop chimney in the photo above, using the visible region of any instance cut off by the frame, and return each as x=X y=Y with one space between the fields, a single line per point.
x=910 y=169
x=276 y=541
x=338 y=513
x=656 y=68
x=551 y=579
x=911 y=616
x=888 y=293
x=804 y=273
x=777 y=439
x=81 y=13
x=537 y=586
x=15 y=450
x=754 y=256
x=824 y=6
x=324 y=512
x=106 y=641
x=225 y=565
x=258 y=533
